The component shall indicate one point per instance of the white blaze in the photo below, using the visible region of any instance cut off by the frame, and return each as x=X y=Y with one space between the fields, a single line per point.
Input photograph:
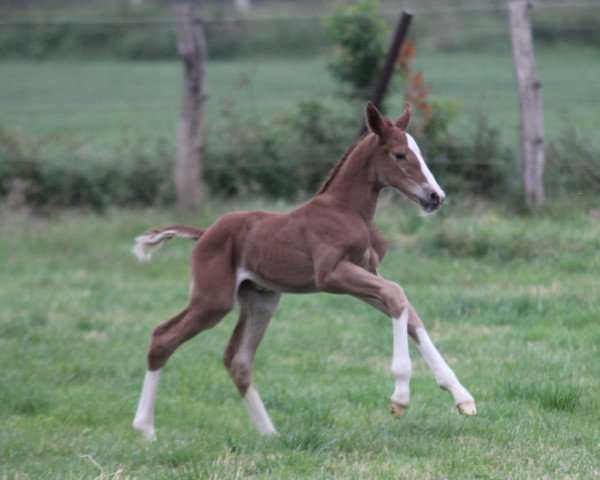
x=417 y=151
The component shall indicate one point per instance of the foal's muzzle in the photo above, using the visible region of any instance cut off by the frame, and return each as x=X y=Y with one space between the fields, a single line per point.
x=432 y=202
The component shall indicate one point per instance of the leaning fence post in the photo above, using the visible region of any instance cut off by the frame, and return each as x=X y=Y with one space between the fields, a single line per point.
x=191 y=46
x=530 y=102
x=390 y=60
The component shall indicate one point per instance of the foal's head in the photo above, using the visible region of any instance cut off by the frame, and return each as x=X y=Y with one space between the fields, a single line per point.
x=398 y=161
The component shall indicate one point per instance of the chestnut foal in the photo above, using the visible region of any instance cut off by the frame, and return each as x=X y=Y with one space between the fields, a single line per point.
x=328 y=244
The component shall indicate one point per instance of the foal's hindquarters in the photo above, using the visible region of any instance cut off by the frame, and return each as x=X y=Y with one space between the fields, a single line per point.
x=215 y=285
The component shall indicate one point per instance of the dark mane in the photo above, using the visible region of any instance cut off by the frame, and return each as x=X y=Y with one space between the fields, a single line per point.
x=338 y=166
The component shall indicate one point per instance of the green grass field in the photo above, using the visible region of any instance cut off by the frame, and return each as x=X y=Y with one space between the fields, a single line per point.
x=106 y=102
x=511 y=302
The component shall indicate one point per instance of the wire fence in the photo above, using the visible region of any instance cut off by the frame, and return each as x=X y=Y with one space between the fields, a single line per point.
x=415 y=7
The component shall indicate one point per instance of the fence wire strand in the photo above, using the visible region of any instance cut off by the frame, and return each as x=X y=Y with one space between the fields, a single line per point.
x=168 y=20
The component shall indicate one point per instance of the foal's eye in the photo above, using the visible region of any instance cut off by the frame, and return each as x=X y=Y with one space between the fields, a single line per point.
x=400 y=156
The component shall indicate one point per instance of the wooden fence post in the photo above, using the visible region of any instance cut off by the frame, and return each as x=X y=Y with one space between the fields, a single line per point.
x=528 y=85
x=191 y=46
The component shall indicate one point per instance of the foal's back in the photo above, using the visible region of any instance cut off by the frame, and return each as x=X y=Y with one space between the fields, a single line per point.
x=278 y=250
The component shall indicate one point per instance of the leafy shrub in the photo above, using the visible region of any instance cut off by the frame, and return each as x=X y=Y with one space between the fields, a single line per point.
x=444 y=30
x=285 y=156
x=475 y=161
x=147 y=43
x=157 y=41
x=572 y=25
x=131 y=42
x=572 y=165
x=40 y=181
x=292 y=153
x=358 y=32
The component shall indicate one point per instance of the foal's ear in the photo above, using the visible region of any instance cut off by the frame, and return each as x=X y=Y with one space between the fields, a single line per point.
x=375 y=121
x=404 y=119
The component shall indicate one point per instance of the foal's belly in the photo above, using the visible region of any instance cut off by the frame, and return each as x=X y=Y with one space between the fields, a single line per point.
x=279 y=260
x=274 y=284
x=278 y=269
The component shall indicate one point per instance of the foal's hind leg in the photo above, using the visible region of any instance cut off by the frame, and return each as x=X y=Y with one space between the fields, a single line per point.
x=256 y=309
x=143 y=421
x=203 y=312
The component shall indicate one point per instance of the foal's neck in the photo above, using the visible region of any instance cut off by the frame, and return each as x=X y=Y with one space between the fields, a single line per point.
x=355 y=185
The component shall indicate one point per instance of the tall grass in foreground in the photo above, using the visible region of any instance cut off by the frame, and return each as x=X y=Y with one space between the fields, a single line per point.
x=511 y=301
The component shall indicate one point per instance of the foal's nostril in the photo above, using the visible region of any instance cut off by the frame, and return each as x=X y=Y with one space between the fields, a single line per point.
x=434 y=198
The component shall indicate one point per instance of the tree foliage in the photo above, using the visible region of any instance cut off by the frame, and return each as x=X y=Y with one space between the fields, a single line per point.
x=358 y=32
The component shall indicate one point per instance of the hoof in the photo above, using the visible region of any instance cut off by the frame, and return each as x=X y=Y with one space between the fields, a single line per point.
x=467 y=408
x=398 y=410
x=146 y=430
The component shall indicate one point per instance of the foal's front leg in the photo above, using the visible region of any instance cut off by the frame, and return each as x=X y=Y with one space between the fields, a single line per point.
x=443 y=374
x=401 y=365
x=389 y=297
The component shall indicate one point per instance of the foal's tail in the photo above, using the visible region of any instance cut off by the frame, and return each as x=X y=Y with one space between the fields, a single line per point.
x=148 y=242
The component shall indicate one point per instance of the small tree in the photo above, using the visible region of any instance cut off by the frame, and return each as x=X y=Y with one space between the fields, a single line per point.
x=359 y=34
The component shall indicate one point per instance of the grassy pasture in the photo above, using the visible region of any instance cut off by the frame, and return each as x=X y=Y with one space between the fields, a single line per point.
x=511 y=302
x=106 y=102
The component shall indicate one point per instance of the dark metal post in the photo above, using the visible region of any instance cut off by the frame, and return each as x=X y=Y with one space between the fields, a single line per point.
x=390 y=61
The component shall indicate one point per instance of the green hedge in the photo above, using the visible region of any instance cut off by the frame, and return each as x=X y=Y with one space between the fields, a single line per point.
x=157 y=41
x=228 y=37
x=288 y=156
x=41 y=180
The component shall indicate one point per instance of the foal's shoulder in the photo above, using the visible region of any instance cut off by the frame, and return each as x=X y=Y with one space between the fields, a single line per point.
x=378 y=241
